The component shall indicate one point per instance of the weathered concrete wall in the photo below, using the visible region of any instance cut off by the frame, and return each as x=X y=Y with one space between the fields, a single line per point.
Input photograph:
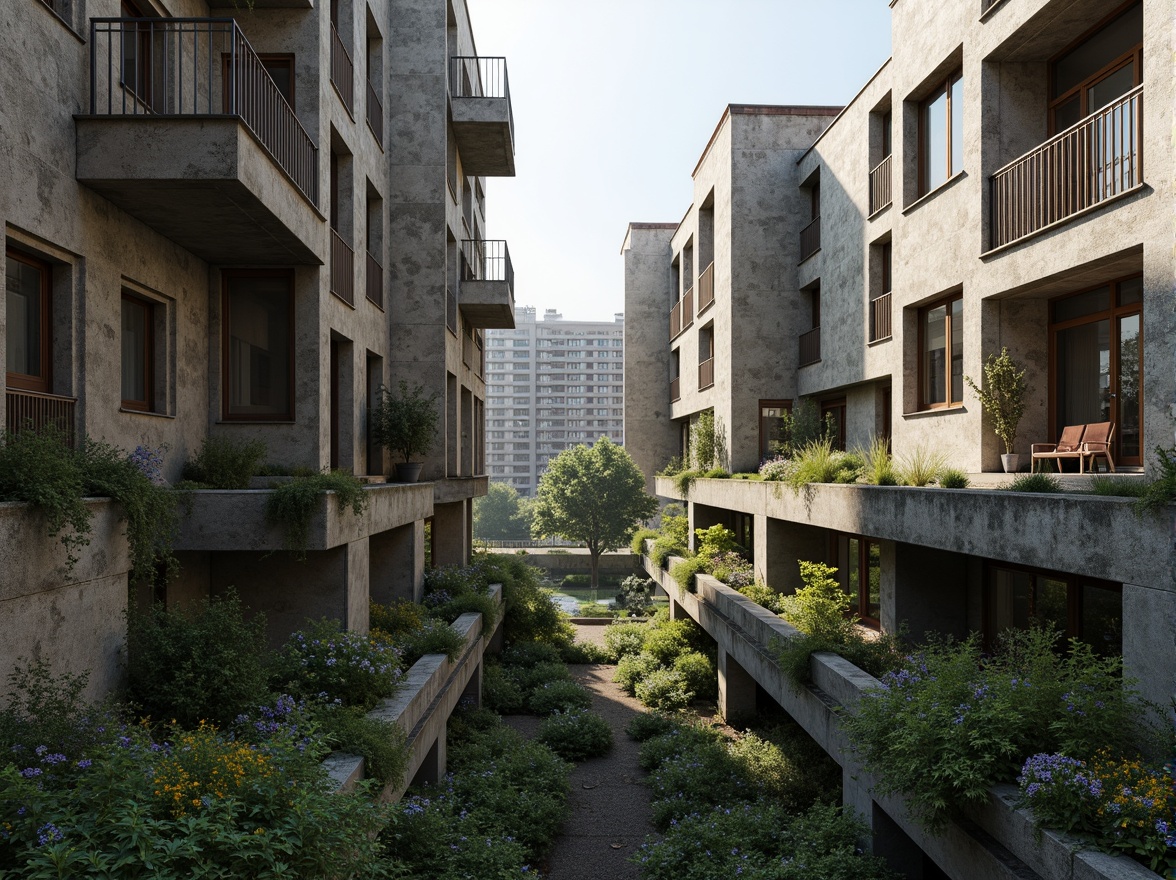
x=620 y=563
x=75 y=620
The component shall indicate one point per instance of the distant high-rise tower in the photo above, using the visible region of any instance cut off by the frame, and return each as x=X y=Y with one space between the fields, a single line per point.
x=550 y=384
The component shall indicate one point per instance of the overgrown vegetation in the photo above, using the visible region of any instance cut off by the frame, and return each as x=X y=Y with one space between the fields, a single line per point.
x=1035 y=483
x=1161 y=491
x=666 y=664
x=292 y=505
x=921 y=466
x=225 y=463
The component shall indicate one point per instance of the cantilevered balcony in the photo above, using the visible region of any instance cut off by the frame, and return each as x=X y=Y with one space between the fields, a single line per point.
x=1097 y=159
x=483 y=122
x=188 y=132
x=486 y=295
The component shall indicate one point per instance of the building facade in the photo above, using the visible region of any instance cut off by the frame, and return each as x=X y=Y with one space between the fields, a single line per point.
x=1003 y=181
x=550 y=385
x=246 y=218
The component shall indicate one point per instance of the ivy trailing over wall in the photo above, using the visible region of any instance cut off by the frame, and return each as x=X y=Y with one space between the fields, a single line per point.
x=292 y=505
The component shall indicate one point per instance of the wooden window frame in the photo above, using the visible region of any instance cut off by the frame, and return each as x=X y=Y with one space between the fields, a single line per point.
x=148 y=353
x=827 y=406
x=42 y=383
x=859 y=604
x=886 y=254
x=950 y=394
x=785 y=405
x=227 y=276
x=142 y=88
x=1134 y=54
x=941 y=88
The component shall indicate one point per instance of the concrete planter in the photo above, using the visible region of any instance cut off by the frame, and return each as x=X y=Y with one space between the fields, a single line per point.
x=1011 y=462
x=407 y=471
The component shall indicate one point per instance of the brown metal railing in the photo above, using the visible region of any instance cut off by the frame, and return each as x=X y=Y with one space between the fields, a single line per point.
x=32 y=409
x=375 y=114
x=688 y=308
x=451 y=309
x=706 y=373
x=880 y=195
x=467 y=350
x=473 y=76
x=342 y=269
x=342 y=71
x=879 y=318
x=676 y=319
x=810 y=239
x=810 y=347
x=375 y=280
x=676 y=388
x=161 y=67
x=706 y=287
x=1096 y=159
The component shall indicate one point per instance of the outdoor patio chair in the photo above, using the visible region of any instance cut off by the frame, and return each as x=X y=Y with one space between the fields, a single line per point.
x=1069 y=445
x=1095 y=442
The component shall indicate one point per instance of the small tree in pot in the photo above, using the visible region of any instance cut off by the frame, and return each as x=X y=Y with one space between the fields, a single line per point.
x=1003 y=398
x=405 y=424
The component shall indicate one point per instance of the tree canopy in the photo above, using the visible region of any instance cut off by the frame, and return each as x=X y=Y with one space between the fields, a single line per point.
x=501 y=515
x=594 y=495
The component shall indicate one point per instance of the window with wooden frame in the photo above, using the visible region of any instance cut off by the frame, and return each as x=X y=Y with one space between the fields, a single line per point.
x=771 y=425
x=27 y=329
x=833 y=417
x=258 y=345
x=1088 y=609
x=1102 y=65
x=858 y=561
x=941 y=133
x=138 y=353
x=941 y=353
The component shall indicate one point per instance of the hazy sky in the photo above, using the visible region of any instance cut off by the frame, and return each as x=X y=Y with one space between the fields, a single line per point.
x=614 y=101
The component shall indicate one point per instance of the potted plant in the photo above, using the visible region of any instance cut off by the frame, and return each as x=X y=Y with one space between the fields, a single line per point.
x=1003 y=398
x=406 y=424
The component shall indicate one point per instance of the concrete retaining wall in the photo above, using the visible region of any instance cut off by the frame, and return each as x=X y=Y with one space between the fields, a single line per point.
x=996 y=842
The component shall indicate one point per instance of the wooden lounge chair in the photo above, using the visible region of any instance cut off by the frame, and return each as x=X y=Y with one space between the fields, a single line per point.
x=1069 y=445
x=1095 y=442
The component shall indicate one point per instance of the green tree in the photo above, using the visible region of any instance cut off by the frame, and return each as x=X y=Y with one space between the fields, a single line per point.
x=592 y=494
x=501 y=515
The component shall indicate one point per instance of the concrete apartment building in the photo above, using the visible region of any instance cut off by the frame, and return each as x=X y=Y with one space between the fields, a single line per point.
x=246 y=220
x=550 y=385
x=1003 y=180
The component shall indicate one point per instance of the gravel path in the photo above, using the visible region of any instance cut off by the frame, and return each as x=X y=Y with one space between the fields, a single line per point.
x=609 y=805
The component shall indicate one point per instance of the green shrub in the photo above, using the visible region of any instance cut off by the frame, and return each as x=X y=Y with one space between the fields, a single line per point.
x=922 y=465
x=952 y=478
x=1035 y=483
x=433 y=637
x=204 y=664
x=1118 y=486
x=530 y=614
x=595 y=609
x=558 y=696
x=576 y=735
x=647 y=725
x=624 y=639
x=636 y=594
x=664 y=548
x=1161 y=491
x=683 y=480
x=878 y=467
x=819 y=462
x=382 y=744
x=952 y=722
x=531 y=654
x=776 y=469
x=399 y=618
x=501 y=692
x=732 y=569
x=820 y=605
x=637 y=545
x=764 y=595
x=325 y=662
x=667 y=639
x=292 y=505
x=715 y=540
x=477 y=602
x=531 y=677
x=665 y=690
x=225 y=462
x=684 y=571
x=38 y=468
x=699 y=674
x=717 y=474
x=786 y=765
x=584 y=652
x=47 y=709
x=681 y=739
x=633 y=669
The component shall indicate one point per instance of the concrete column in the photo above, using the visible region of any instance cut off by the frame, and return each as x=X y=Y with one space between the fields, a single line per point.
x=894 y=845
x=703 y=517
x=677 y=612
x=736 y=689
x=473 y=688
x=357 y=595
x=397 y=566
x=930 y=591
x=451 y=541
x=779 y=544
x=1149 y=642
x=432 y=769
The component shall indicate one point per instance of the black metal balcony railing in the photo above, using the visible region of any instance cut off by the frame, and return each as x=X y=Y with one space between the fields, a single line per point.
x=810 y=347
x=342 y=269
x=706 y=373
x=342 y=71
x=375 y=114
x=35 y=410
x=706 y=288
x=472 y=76
x=879 y=318
x=165 y=67
x=1094 y=160
x=375 y=280
x=487 y=260
x=880 y=195
x=810 y=239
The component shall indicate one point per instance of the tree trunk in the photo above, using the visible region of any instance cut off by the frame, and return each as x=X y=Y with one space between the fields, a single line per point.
x=595 y=557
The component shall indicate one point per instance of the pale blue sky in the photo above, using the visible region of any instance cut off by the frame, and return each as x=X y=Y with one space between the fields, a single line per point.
x=614 y=101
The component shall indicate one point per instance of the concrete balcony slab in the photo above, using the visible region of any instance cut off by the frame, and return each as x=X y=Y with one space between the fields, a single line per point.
x=484 y=129
x=487 y=305
x=204 y=182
